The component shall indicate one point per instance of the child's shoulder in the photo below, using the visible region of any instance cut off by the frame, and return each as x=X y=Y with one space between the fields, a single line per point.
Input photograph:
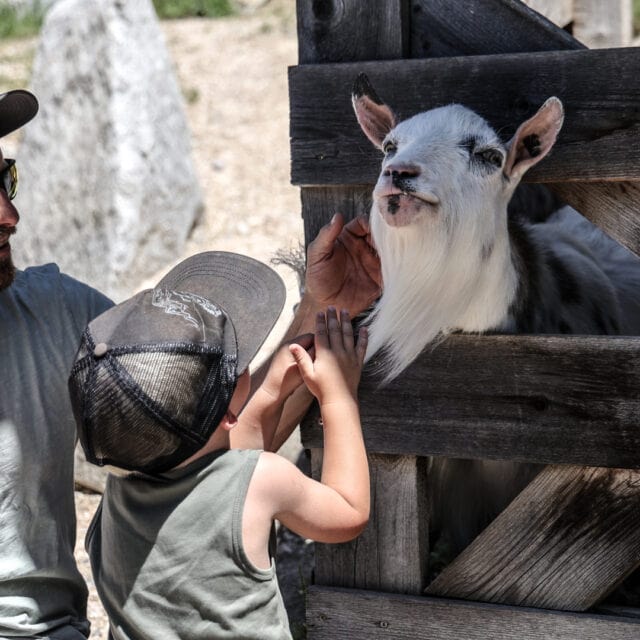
x=274 y=473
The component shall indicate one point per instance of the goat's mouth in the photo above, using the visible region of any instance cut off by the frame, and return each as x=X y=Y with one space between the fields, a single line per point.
x=402 y=209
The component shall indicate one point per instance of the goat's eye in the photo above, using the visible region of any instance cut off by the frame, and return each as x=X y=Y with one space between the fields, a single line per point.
x=389 y=147
x=492 y=156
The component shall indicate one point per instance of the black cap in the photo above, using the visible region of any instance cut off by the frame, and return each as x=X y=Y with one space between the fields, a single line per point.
x=155 y=374
x=16 y=109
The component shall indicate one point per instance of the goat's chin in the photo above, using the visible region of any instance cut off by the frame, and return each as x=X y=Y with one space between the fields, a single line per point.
x=401 y=210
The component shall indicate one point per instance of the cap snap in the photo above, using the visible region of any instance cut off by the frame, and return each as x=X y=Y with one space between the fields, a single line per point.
x=100 y=349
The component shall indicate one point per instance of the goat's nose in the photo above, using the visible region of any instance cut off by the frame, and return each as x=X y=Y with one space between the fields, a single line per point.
x=402 y=171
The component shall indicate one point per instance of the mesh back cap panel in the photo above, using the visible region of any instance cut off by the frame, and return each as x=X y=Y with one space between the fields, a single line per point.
x=153 y=378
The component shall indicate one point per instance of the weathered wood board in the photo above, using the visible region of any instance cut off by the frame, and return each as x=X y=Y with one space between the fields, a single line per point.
x=441 y=28
x=391 y=554
x=341 y=613
x=337 y=31
x=565 y=542
x=600 y=90
x=550 y=399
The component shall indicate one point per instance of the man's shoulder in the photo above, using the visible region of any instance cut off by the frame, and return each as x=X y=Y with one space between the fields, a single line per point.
x=47 y=276
x=40 y=273
x=45 y=285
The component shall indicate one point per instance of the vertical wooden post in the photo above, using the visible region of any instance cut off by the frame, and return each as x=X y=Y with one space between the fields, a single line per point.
x=384 y=557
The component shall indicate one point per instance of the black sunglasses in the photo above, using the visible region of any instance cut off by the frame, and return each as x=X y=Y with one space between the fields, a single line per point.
x=9 y=178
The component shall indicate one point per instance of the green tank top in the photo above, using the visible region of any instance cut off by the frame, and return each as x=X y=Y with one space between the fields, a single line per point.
x=168 y=559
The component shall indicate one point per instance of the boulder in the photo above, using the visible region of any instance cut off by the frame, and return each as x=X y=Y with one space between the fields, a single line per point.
x=108 y=188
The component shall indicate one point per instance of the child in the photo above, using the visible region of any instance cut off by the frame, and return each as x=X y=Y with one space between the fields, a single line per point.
x=180 y=548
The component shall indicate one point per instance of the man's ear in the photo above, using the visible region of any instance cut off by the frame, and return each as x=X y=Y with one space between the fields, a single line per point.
x=534 y=139
x=374 y=117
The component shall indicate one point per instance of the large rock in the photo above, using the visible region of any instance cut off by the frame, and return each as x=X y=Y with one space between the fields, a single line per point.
x=108 y=188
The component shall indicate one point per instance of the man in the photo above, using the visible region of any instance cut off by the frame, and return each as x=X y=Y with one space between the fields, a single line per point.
x=42 y=316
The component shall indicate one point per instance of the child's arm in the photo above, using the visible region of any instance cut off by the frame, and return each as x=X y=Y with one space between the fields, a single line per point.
x=336 y=509
x=260 y=416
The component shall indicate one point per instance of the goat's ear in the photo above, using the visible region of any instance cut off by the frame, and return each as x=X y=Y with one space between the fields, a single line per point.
x=374 y=117
x=534 y=139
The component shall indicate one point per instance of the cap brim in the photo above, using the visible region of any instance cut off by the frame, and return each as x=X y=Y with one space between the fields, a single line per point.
x=16 y=109
x=251 y=293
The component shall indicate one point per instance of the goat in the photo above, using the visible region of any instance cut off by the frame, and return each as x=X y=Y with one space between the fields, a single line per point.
x=454 y=261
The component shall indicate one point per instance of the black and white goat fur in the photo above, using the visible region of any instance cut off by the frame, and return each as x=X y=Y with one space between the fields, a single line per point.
x=452 y=260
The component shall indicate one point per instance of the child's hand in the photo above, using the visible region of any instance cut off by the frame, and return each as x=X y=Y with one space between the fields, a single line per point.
x=335 y=373
x=283 y=376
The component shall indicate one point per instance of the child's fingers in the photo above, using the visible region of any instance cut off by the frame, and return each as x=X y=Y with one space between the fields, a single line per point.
x=302 y=359
x=361 y=345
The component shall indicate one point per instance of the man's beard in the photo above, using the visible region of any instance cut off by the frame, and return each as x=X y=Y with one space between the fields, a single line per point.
x=7 y=273
x=7 y=268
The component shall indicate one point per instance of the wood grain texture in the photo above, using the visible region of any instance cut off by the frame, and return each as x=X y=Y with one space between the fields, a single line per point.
x=441 y=28
x=600 y=91
x=320 y=203
x=391 y=554
x=564 y=543
x=613 y=206
x=340 y=30
x=550 y=399
x=342 y=613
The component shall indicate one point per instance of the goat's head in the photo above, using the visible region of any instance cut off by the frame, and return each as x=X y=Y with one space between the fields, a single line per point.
x=443 y=165
x=439 y=219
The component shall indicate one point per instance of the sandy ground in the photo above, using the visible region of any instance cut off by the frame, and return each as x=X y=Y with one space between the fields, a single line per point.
x=233 y=75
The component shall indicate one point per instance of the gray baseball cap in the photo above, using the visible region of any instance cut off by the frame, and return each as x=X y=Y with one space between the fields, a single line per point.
x=155 y=374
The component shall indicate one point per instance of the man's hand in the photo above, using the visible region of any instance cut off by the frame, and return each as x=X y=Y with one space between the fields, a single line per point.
x=343 y=269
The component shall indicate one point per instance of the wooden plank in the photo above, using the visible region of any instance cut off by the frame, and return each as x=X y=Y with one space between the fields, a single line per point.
x=342 y=613
x=613 y=206
x=441 y=28
x=600 y=91
x=331 y=32
x=603 y=24
x=549 y=399
x=351 y=30
x=398 y=524
x=320 y=203
x=564 y=543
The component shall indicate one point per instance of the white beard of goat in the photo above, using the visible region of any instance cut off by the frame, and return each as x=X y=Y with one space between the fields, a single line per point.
x=453 y=261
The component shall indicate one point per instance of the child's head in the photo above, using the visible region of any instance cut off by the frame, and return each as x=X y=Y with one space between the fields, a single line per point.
x=154 y=375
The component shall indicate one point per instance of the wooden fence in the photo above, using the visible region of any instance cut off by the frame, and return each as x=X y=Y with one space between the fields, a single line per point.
x=571 y=402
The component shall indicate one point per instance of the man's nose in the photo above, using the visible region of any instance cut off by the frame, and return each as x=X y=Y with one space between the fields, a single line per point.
x=8 y=213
